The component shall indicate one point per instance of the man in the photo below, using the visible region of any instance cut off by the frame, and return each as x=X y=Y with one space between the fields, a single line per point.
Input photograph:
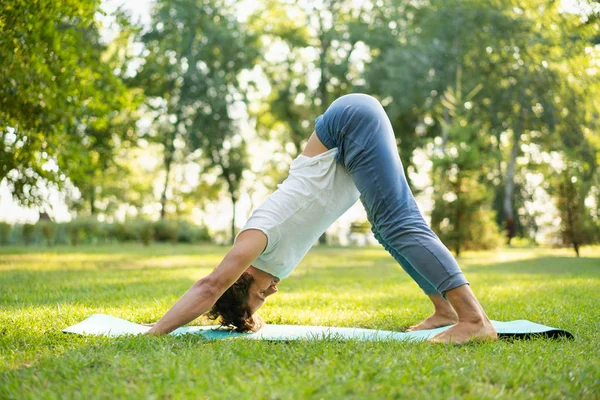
x=351 y=155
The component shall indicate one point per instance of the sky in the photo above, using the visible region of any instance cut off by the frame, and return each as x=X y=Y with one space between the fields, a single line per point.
x=217 y=215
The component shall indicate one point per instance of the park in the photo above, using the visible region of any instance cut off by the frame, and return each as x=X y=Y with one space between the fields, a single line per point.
x=157 y=166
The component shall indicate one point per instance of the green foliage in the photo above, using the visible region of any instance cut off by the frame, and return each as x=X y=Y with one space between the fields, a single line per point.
x=61 y=99
x=462 y=215
x=232 y=160
x=360 y=226
x=523 y=242
x=164 y=230
x=5 y=229
x=88 y=230
x=167 y=230
x=190 y=75
x=288 y=109
x=465 y=222
x=48 y=229
x=27 y=231
x=85 y=230
x=536 y=90
x=525 y=226
x=125 y=231
x=70 y=104
x=313 y=40
x=577 y=227
x=144 y=231
x=75 y=230
x=189 y=233
x=90 y=226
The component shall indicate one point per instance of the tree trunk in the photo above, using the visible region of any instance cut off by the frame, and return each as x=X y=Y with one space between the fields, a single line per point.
x=92 y=201
x=233 y=203
x=496 y=130
x=458 y=216
x=163 y=196
x=445 y=136
x=571 y=221
x=322 y=89
x=297 y=132
x=509 y=188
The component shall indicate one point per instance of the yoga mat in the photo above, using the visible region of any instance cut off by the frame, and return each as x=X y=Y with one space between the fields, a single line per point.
x=101 y=324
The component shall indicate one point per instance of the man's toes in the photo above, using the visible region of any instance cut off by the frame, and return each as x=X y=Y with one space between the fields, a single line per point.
x=438 y=340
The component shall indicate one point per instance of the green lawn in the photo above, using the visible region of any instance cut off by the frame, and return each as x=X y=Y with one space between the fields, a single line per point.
x=45 y=290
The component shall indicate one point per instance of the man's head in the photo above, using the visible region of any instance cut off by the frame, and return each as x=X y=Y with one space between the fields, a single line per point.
x=236 y=307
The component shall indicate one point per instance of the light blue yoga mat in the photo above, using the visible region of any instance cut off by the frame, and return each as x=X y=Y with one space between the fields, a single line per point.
x=101 y=324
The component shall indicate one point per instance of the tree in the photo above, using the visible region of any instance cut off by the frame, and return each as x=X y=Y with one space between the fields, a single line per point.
x=576 y=227
x=232 y=160
x=56 y=88
x=194 y=51
x=462 y=215
x=107 y=124
x=286 y=111
x=304 y=41
x=508 y=49
x=125 y=183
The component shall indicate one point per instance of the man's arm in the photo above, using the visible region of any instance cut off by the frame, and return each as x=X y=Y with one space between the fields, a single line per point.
x=203 y=294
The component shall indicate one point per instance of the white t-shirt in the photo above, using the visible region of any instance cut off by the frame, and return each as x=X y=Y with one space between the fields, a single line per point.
x=317 y=192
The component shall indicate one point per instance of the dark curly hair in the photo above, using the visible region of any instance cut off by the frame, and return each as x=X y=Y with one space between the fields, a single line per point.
x=232 y=308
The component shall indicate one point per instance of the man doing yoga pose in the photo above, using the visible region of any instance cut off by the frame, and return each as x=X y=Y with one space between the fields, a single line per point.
x=351 y=155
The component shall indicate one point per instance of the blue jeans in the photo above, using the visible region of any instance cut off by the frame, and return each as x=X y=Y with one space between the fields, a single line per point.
x=358 y=126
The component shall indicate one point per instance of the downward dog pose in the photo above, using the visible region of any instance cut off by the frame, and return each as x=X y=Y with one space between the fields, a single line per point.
x=351 y=155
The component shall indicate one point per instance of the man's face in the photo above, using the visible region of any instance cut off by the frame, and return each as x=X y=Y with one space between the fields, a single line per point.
x=263 y=286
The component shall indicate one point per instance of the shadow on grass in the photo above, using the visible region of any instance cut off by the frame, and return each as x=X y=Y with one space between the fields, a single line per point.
x=385 y=273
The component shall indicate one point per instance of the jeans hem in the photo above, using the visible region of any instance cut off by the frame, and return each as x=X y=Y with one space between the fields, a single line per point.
x=452 y=282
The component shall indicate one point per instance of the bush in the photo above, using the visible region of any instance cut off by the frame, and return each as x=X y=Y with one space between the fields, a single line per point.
x=203 y=234
x=5 y=229
x=143 y=230
x=102 y=232
x=166 y=230
x=190 y=233
x=48 y=229
x=27 y=233
x=115 y=231
x=363 y=227
x=462 y=215
x=133 y=230
x=466 y=222
x=74 y=231
x=523 y=242
x=124 y=231
x=89 y=230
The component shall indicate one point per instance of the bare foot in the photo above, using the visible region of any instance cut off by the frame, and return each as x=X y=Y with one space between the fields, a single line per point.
x=464 y=332
x=436 y=320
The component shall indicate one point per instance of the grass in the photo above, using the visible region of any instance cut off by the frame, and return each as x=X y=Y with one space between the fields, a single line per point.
x=45 y=290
